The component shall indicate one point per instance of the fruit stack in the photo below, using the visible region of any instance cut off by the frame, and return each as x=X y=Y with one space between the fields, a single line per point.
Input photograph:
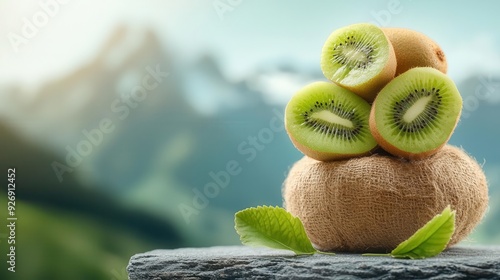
x=377 y=166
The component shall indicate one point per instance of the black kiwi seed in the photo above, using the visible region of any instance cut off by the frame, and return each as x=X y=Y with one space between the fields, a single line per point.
x=335 y=130
x=351 y=41
x=427 y=116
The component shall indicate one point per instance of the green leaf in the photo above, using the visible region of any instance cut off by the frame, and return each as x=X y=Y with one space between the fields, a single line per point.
x=430 y=240
x=272 y=227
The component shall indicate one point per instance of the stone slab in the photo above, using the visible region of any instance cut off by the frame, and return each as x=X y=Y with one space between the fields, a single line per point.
x=240 y=262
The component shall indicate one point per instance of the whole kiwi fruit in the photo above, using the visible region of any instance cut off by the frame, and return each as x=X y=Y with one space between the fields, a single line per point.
x=414 y=49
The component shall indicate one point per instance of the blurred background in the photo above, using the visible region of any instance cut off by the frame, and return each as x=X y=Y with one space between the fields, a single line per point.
x=137 y=125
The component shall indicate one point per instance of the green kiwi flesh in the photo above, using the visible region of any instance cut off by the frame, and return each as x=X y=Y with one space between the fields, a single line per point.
x=327 y=122
x=359 y=57
x=416 y=113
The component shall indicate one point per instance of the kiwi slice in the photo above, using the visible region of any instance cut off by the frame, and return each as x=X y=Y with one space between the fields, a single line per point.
x=416 y=113
x=327 y=122
x=359 y=57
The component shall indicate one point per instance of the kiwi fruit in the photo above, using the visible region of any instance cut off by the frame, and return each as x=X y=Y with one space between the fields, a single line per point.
x=359 y=57
x=414 y=49
x=327 y=122
x=416 y=113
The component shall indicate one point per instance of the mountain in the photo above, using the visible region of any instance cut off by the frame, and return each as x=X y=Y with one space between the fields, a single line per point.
x=71 y=223
x=36 y=183
x=178 y=142
x=476 y=131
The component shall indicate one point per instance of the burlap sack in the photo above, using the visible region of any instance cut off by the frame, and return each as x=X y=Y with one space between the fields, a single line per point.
x=373 y=203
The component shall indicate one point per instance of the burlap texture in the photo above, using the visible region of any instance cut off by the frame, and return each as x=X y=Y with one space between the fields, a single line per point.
x=373 y=203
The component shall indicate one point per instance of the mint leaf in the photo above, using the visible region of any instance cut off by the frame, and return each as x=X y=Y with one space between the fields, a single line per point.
x=430 y=240
x=272 y=227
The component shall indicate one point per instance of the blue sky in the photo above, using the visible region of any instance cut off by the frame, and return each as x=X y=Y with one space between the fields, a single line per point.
x=245 y=35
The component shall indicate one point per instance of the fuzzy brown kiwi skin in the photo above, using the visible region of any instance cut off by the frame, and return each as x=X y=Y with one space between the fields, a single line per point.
x=323 y=156
x=394 y=150
x=371 y=88
x=414 y=49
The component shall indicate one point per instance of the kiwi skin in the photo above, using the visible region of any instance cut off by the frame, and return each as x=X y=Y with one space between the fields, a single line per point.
x=322 y=156
x=414 y=49
x=398 y=152
x=369 y=89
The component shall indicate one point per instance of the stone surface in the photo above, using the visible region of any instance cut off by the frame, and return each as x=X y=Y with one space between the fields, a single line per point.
x=238 y=262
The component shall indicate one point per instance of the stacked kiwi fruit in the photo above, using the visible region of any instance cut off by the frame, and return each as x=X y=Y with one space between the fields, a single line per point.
x=386 y=113
x=388 y=88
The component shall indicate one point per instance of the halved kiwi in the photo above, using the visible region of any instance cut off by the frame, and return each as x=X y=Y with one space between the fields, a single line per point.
x=416 y=113
x=327 y=122
x=359 y=57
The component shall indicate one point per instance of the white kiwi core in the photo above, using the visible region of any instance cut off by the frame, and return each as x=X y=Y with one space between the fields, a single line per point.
x=330 y=117
x=416 y=109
